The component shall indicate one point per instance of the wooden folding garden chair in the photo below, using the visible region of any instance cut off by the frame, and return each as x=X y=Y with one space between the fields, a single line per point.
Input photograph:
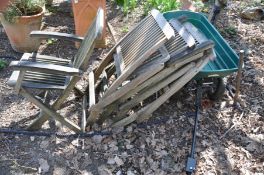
x=187 y=57
x=48 y=73
x=127 y=55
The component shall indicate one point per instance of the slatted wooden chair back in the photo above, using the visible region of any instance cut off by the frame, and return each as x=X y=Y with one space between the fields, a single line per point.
x=149 y=32
x=137 y=45
x=81 y=60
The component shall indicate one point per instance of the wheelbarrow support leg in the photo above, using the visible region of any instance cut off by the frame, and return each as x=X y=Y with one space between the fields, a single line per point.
x=191 y=162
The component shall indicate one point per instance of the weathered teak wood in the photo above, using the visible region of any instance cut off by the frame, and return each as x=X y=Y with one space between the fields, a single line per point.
x=120 y=92
x=176 y=53
x=19 y=81
x=183 y=32
x=146 y=112
x=147 y=92
x=56 y=35
x=49 y=110
x=142 y=35
x=84 y=113
x=91 y=89
x=43 y=70
x=119 y=61
x=194 y=31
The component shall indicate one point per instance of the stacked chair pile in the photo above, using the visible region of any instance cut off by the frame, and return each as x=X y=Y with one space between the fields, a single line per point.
x=142 y=71
x=156 y=59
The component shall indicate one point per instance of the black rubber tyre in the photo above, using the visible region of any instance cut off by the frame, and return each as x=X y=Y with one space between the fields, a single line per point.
x=218 y=89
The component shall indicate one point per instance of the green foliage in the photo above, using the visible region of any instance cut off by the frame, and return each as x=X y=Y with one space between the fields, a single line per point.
x=127 y=5
x=51 y=41
x=22 y=8
x=3 y=64
x=125 y=29
x=161 y=5
x=229 y=31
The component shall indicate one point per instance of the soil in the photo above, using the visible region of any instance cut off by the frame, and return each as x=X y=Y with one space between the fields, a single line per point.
x=230 y=141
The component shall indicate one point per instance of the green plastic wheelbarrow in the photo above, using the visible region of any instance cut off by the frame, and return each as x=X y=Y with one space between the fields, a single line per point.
x=226 y=61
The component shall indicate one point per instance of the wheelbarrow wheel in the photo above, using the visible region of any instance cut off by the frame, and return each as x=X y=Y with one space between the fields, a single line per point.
x=218 y=89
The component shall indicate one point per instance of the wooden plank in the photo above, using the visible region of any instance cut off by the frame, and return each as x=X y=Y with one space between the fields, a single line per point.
x=45 y=68
x=190 y=52
x=109 y=56
x=91 y=89
x=84 y=113
x=130 y=85
x=119 y=61
x=103 y=84
x=120 y=92
x=173 y=89
x=181 y=62
x=56 y=35
x=144 y=94
x=188 y=38
x=43 y=117
x=37 y=57
x=199 y=36
x=158 y=60
x=163 y=24
x=19 y=81
x=149 y=82
x=132 y=67
x=51 y=112
x=146 y=112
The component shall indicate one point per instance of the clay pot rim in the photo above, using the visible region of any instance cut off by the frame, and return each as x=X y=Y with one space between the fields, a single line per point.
x=32 y=16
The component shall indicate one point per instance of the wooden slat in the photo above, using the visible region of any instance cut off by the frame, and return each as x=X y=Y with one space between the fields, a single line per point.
x=127 y=37
x=45 y=68
x=51 y=112
x=43 y=117
x=132 y=67
x=146 y=112
x=19 y=81
x=84 y=113
x=119 y=62
x=163 y=24
x=155 y=88
x=91 y=89
x=183 y=32
x=199 y=36
x=98 y=108
x=57 y=35
x=188 y=53
x=28 y=56
x=158 y=60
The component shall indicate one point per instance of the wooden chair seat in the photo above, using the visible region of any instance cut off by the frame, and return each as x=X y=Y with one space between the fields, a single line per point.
x=42 y=80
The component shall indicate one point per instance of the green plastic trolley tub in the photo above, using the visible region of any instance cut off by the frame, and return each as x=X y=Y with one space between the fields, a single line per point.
x=226 y=61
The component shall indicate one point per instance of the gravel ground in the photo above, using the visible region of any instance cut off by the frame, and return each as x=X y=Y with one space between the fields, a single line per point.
x=230 y=141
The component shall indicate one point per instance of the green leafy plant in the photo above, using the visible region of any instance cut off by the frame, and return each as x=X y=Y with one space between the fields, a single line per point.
x=125 y=29
x=161 y=5
x=3 y=64
x=22 y=8
x=127 y=5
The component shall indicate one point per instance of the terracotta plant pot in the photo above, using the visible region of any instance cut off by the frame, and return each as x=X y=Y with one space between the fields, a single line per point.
x=84 y=12
x=18 y=32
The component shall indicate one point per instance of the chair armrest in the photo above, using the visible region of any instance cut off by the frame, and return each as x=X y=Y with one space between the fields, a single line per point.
x=45 y=68
x=56 y=35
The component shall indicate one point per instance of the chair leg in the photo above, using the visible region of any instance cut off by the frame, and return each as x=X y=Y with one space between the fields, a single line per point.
x=37 y=123
x=49 y=111
x=43 y=117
